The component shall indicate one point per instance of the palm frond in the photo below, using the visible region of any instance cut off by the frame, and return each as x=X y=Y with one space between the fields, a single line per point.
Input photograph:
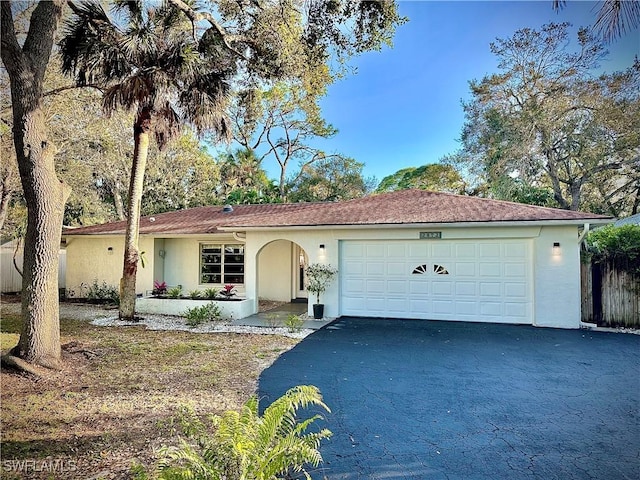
x=615 y=17
x=249 y=446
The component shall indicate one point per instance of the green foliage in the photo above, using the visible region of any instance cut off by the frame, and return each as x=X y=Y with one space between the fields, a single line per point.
x=330 y=179
x=319 y=276
x=273 y=320
x=195 y=294
x=617 y=245
x=206 y=313
x=437 y=177
x=293 y=323
x=175 y=292
x=245 y=445
x=565 y=136
x=210 y=293
x=102 y=292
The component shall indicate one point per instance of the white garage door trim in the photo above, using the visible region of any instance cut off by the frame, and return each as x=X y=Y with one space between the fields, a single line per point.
x=465 y=280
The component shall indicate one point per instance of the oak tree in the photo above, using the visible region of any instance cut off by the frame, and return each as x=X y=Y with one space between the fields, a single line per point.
x=45 y=195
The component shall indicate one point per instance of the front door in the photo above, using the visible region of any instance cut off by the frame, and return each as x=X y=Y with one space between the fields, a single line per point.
x=299 y=265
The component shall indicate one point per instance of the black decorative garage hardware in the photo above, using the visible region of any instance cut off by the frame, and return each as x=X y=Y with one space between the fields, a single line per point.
x=440 y=270
x=420 y=269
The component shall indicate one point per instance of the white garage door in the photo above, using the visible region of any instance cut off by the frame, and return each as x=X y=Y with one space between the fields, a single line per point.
x=466 y=280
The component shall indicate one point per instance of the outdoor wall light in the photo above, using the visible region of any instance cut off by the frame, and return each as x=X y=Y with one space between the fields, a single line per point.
x=322 y=248
x=109 y=250
x=556 y=248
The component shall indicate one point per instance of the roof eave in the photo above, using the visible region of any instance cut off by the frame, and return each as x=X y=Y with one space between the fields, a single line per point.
x=506 y=223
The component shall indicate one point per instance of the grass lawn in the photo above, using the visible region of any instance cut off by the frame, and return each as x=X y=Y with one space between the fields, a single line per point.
x=115 y=400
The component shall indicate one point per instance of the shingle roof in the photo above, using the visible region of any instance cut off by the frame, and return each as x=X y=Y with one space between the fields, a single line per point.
x=632 y=220
x=394 y=208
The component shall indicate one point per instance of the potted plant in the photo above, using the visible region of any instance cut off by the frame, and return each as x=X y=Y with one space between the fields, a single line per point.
x=319 y=277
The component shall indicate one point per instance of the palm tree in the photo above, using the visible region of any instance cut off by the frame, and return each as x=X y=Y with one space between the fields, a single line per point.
x=150 y=63
x=614 y=17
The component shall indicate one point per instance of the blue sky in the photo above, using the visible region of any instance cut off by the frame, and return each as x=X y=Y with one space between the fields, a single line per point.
x=403 y=109
x=403 y=106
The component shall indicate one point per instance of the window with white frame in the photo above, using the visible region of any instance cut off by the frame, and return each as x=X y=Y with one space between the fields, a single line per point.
x=221 y=263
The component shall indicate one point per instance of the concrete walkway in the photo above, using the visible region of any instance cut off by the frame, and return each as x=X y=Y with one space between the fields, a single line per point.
x=279 y=315
x=415 y=399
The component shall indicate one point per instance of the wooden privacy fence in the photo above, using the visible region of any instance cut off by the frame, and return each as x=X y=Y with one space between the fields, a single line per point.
x=610 y=295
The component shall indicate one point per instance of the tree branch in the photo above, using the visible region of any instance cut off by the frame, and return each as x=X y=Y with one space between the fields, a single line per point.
x=55 y=91
x=206 y=16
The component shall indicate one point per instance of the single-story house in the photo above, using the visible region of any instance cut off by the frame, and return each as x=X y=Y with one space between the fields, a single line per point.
x=407 y=254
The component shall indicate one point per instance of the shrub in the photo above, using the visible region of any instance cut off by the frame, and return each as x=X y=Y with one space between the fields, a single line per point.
x=273 y=320
x=294 y=323
x=246 y=445
x=211 y=293
x=175 y=292
x=195 y=294
x=206 y=313
x=619 y=246
x=103 y=293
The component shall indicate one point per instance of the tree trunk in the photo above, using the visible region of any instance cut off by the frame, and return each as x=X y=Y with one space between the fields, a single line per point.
x=4 y=200
x=141 y=131
x=117 y=200
x=44 y=193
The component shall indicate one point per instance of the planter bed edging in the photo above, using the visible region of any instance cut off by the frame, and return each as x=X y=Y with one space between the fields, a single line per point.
x=171 y=306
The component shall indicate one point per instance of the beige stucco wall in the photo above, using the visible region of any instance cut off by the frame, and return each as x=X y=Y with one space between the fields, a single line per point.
x=268 y=262
x=182 y=262
x=557 y=278
x=275 y=271
x=89 y=259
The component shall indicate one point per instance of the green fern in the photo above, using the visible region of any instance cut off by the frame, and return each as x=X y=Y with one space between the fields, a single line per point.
x=246 y=445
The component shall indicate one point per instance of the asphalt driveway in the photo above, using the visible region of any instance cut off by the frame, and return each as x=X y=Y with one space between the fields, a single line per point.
x=444 y=400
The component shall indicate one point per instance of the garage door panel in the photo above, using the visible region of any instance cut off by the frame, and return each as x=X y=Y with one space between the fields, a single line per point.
x=515 y=250
x=442 y=288
x=490 y=289
x=376 y=304
x=490 y=250
x=354 y=285
x=466 y=308
x=376 y=286
x=490 y=269
x=353 y=268
x=470 y=280
x=396 y=305
x=518 y=270
x=396 y=287
x=396 y=250
x=417 y=287
x=417 y=251
x=491 y=308
x=375 y=251
x=516 y=310
x=465 y=250
x=396 y=269
x=441 y=250
x=466 y=288
x=375 y=268
x=465 y=269
x=515 y=290
x=443 y=307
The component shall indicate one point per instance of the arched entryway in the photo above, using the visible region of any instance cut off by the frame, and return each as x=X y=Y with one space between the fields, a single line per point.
x=281 y=268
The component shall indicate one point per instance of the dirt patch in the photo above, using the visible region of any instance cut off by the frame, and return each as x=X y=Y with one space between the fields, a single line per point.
x=116 y=398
